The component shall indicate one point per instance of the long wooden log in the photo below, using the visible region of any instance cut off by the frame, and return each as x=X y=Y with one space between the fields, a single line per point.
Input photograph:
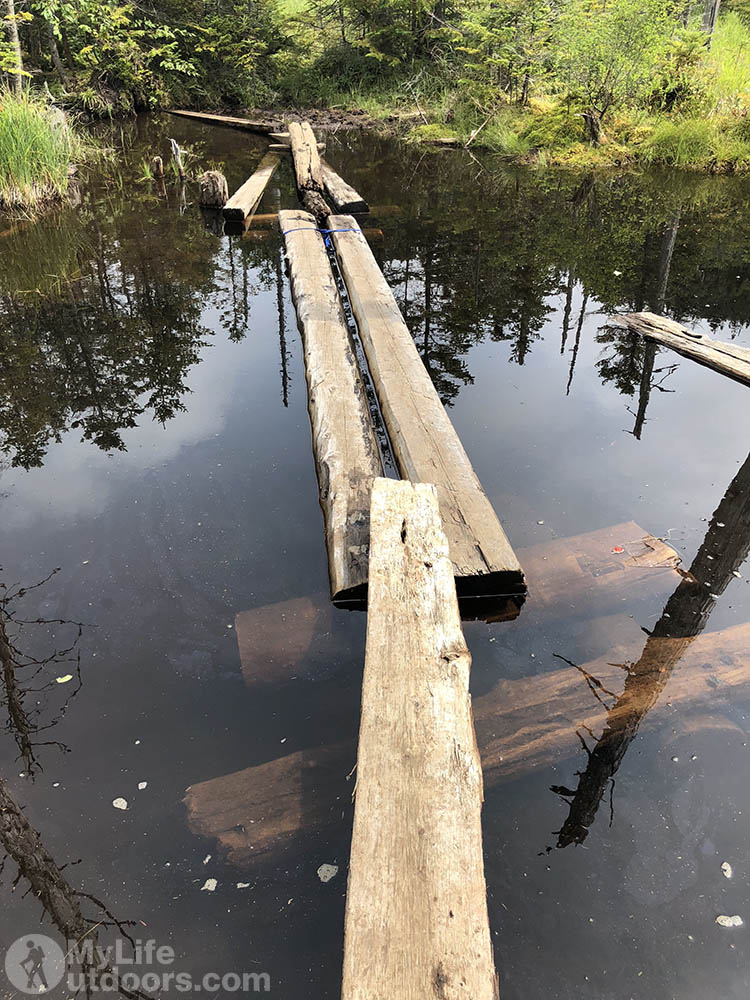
x=346 y=451
x=729 y=359
x=264 y=128
x=521 y=725
x=424 y=440
x=343 y=196
x=416 y=906
x=246 y=199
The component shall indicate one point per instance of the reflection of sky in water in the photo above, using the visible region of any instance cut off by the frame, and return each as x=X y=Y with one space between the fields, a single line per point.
x=217 y=512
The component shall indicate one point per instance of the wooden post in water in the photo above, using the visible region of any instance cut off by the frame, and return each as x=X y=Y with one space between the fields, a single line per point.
x=346 y=452
x=246 y=199
x=424 y=440
x=416 y=909
x=213 y=189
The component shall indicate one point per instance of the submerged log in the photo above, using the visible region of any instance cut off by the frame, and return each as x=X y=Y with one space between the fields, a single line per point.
x=264 y=128
x=728 y=359
x=246 y=199
x=343 y=196
x=213 y=189
x=346 y=453
x=424 y=440
x=576 y=576
x=521 y=725
x=416 y=903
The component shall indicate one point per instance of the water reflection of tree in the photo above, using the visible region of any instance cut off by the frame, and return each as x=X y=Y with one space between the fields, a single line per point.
x=26 y=677
x=724 y=549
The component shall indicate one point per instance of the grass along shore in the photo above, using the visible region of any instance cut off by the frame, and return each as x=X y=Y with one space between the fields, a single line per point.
x=37 y=147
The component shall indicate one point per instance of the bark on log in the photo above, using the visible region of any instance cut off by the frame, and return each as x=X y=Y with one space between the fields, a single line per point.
x=728 y=359
x=213 y=188
x=424 y=440
x=246 y=199
x=264 y=128
x=347 y=459
x=416 y=908
x=343 y=196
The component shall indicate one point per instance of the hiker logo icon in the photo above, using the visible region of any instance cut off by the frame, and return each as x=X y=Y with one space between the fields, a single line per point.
x=35 y=964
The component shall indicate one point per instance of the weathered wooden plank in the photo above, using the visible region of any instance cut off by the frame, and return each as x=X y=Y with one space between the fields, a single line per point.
x=307 y=169
x=264 y=128
x=343 y=196
x=416 y=907
x=729 y=359
x=346 y=452
x=424 y=440
x=246 y=199
x=521 y=725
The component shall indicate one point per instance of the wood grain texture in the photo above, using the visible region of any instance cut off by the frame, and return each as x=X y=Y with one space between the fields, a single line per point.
x=244 y=124
x=521 y=725
x=246 y=199
x=416 y=921
x=424 y=440
x=343 y=196
x=729 y=359
x=307 y=170
x=347 y=459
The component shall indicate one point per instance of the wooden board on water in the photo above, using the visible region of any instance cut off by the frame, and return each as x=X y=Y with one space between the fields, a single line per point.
x=246 y=199
x=424 y=440
x=347 y=459
x=263 y=128
x=729 y=359
x=343 y=195
x=416 y=904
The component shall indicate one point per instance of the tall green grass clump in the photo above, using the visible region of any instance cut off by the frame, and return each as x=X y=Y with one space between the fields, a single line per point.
x=37 y=145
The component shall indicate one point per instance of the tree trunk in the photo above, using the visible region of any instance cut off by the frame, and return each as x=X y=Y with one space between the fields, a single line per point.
x=593 y=126
x=16 y=81
x=54 y=52
x=710 y=14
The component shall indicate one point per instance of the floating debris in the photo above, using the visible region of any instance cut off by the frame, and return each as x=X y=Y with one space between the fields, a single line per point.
x=120 y=803
x=142 y=785
x=209 y=885
x=724 y=921
x=64 y=679
x=206 y=859
x=327 y=872
x=726 y=870
x=243 y=885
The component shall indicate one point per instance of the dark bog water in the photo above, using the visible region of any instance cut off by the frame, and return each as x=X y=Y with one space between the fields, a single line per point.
x=156 y=453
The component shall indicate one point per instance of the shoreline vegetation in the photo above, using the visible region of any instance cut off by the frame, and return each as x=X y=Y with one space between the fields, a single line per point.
x=578 y=83
x=39 y=153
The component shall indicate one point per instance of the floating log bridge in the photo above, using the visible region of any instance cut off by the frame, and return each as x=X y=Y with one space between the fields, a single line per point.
x=346 y=451
x=246 y=199
x=416 y=909
x=729 y=359
x=423 y=438
x=522 y=725
x=263 y=128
